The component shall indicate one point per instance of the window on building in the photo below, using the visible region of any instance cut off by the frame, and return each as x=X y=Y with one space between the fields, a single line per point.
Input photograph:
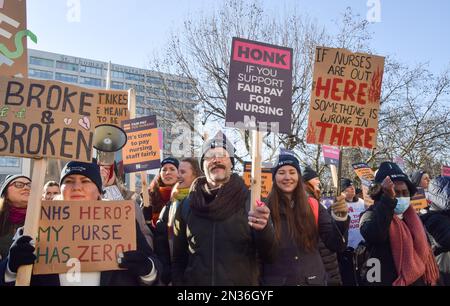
x=40 y=74
x=66 y=66
x=134 y=77
x=117 y=74
x=10 y=162
x=154 y=80
x=41 y=62
x=69 y=78
x=91 y=70
x=116 y=85
x=91 y=81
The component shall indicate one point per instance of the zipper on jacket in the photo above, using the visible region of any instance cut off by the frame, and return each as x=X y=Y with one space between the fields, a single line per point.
x=213 y=253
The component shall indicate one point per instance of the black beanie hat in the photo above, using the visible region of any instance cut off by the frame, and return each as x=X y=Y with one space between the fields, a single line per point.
x=286 y=160
x=170 y=160
x=219 y=141
x=393 y=170
x=89 y=170
x=8 y=180
x=345 y=183
x=309 y=174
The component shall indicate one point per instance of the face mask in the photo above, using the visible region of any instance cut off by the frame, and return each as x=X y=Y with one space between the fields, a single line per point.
x=402 y=205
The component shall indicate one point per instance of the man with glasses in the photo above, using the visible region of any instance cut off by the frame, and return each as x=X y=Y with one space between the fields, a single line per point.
x=217 y=241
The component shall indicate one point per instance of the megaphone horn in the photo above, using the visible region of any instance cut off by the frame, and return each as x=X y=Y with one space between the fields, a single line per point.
x=109 y=138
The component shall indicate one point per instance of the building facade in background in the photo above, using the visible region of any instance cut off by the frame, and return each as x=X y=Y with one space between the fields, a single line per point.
x=160 y=94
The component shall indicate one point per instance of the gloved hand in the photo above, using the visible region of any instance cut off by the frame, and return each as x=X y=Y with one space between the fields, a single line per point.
x=339 y=207
x=135 y=261
x=148 y=213
x=21 y=253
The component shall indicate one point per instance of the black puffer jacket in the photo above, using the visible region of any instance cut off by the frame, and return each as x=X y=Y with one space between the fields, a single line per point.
x=294 y=266
x=211 y=252
x=437 y=222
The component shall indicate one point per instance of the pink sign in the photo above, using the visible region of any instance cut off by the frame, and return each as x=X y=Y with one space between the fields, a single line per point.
x=446 y=171
x=331 y=155
x=160 y=138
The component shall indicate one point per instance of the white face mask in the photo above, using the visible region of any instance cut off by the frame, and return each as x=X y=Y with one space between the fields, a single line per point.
x=402 y=205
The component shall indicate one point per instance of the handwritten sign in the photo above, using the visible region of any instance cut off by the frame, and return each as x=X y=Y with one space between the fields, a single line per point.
x=13 y=38
x=92 y=233
x=345 y=98
x=419 y=200
x=266 y=179
x=142 y=151
x=259 y=87
x=112 y=107
x=366 y=175
x=46 y=119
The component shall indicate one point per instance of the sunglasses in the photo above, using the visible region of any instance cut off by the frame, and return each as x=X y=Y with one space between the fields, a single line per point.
x=20 y=185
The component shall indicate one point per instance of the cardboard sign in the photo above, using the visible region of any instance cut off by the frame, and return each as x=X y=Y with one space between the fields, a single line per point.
x=266 y=179
x=46 y=119
x=112 y=107
x=419 y=200
x=446 y=171
x=366 y=175
x=13 y=38
x=142 y=151
x=91 y=233
x=330 y=155
x=259 y=87
x=345 y=98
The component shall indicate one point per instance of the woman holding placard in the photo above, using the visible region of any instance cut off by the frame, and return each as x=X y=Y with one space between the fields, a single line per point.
x=82 y=182
x=299 y=223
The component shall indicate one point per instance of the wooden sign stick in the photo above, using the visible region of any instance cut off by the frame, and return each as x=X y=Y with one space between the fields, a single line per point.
x=33 y=215
x=145 y=195
x=255 y=183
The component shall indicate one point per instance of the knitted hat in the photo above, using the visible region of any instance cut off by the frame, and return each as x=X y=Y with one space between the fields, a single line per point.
x=89 y=170
x=170 y=160
x=309 y=174
x=345 y=183
x=219 y=141
x=393 y=170
x=286 y=160
x=8 y=180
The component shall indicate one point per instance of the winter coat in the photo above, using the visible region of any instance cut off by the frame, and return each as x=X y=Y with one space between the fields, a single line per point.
x=219 y=252
x=374 y=226
x=107 y=278
x=294 y=266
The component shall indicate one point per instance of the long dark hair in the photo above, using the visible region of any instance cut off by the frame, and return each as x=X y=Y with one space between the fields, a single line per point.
x=300 y=219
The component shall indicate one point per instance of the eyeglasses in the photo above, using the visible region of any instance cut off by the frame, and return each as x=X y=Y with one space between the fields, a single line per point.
x=20 y=185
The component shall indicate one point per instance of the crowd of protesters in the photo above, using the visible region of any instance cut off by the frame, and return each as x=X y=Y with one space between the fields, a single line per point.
x=199 y=227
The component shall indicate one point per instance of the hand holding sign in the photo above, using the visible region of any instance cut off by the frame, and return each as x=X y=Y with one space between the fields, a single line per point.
x=135 y=261
x=339 y=207
x=388 y=187
x=259 y=217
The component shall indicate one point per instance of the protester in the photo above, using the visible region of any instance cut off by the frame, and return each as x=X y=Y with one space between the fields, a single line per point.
x=329 y=258
x=115 y=190
x=420 y=178
x=188 y=171
x=394 y=233
x=437 y=223
x=14 y=195
x=217 y=239
x=160 y=190
x=82 y=182
x=51 y=189
x=346 y=259
x=299 y=223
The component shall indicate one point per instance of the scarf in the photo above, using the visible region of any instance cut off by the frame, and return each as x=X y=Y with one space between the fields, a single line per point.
x=182 y=193
x=413 y=257
x=165 y=194
x=17 y=214
x=220 y=203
